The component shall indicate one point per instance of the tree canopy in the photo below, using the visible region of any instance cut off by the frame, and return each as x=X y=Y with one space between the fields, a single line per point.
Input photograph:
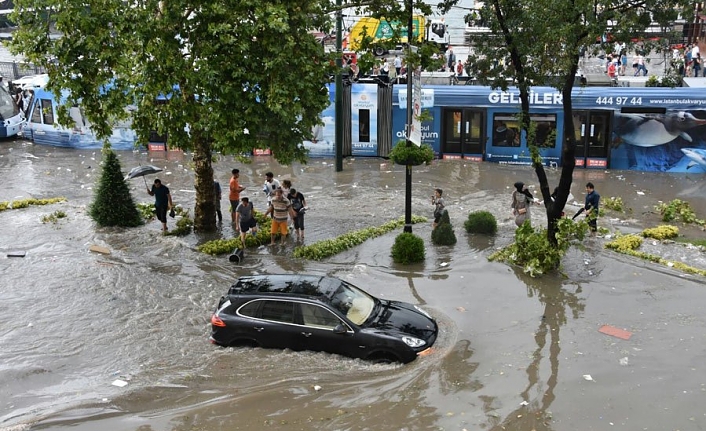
x=537 y=42
x=241 y=74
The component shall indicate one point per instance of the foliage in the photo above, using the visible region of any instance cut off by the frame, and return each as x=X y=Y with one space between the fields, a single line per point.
x=614 y=203
x=696 y=242
x=622 y=243
x=329 y=247
x=112 y=204
x=183 y=226
x=443 y=233
x=629 y=244
x=533 y=251
x=661 y=232
x=411 y=155
x=670 y=80
x=678 y=210
x=481 y=222
x=408 y=248
x=224 y=246
x=527 y=47
x=225 y=67
x=147 y=211
x=53 y=217
x=24 y=203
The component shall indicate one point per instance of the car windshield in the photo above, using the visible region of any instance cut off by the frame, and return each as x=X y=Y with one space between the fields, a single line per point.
x=355 y=304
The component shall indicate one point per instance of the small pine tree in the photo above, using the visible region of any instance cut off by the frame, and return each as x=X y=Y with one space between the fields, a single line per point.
x=112 y=204
x=408 y=248
x=444 y=234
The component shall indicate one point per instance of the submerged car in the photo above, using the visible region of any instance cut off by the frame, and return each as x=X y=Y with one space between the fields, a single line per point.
x=319 y=313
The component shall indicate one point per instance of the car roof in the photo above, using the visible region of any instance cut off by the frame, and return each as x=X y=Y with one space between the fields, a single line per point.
x=298 y=285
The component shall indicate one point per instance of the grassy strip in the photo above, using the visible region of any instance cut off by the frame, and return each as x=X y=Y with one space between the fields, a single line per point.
x=696 y=242
x=24 y=203
x=628 y=244
x=224 y=246
x=656 y=259
x=329 y=247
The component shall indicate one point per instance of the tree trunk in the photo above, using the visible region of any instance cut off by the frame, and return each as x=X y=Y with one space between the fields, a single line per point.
x=205 y=208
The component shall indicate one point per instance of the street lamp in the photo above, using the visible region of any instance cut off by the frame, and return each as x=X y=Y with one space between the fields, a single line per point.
x=408 y=168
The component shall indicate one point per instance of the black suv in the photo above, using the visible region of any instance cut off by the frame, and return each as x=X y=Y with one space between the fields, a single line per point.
x=309 y=312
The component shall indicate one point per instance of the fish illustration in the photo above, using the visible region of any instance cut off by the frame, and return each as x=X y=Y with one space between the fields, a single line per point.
x=697 y=156
x=651 y=130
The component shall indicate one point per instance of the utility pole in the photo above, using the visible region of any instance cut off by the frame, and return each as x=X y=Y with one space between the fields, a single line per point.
x=339 y=87
x=408 y=168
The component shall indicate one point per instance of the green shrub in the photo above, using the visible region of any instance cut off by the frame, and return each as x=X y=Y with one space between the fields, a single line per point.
x=481 y=222
x=661 y=232
x=678 y=210
x=112 y=204
x=408 y=248
x=624 y=243
x=443 y=234
x=4 y=205
x=53 y=217
x=183 y=225
x=533 y=251
x=614 y=203
x=403 y=154
x=329 y=247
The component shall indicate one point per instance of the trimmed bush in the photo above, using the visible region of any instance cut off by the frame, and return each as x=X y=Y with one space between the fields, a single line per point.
x=443 y=234
x=625 y=243
x=661 y=232
x=408 y=248
x=112 y=204
x=481 y=222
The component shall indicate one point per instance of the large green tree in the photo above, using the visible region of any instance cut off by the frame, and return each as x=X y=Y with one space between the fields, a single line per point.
x=221 y=75
x=537 y=42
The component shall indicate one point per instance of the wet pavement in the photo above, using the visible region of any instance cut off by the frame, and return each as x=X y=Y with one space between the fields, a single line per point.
x=513 y=352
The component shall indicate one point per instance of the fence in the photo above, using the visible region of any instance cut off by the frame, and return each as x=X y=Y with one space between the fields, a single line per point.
x=11 y=70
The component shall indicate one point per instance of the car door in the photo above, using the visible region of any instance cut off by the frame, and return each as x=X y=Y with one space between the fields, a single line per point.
x=273 y=325
x=318 y=332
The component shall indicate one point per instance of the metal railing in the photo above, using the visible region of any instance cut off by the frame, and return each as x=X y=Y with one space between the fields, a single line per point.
x=11 y=70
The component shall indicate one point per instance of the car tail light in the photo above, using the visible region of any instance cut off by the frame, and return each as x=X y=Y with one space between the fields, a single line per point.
x=217 y=321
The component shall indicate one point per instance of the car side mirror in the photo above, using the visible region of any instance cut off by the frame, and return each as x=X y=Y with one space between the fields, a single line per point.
x=340 y=329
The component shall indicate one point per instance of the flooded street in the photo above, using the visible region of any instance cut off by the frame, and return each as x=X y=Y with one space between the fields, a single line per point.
x=513 y=351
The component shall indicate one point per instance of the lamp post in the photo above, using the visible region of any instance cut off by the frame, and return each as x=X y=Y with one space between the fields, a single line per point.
x=339 y=88
x=408 y=168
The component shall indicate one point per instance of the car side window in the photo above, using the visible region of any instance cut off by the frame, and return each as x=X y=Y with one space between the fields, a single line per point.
x=319 y=317
x=278 y=311
x=250 y=309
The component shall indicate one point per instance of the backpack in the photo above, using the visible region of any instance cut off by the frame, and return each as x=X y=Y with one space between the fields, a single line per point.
x=296 y=204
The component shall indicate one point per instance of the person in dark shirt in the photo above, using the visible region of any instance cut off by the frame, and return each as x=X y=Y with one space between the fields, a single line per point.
x=591 y=207
x=162 y=201
x=299 y=207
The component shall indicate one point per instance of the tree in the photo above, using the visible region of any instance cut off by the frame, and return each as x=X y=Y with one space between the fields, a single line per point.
x=223 y=75
x=532 y=46
x=113 y=204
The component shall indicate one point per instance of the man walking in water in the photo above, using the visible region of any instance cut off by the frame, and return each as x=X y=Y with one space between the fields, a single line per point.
x=234 y=195
x=591 y=207
x=162 y=201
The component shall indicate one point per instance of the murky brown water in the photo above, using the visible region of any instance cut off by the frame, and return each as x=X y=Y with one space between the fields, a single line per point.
x=72 y=321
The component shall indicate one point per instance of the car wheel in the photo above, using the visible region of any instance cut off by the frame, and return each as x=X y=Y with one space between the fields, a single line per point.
x=379 y=51
x=383 y=358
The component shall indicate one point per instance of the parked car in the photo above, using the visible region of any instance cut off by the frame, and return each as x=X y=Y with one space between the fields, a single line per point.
x=310 y=312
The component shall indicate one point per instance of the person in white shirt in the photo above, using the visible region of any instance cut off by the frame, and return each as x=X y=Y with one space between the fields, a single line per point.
x=271 y=184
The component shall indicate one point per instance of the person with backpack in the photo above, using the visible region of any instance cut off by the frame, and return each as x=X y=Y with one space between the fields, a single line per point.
x=521 y=200
x=299 y=207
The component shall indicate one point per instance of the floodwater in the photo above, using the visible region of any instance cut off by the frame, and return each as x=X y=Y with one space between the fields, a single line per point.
x=512 y=355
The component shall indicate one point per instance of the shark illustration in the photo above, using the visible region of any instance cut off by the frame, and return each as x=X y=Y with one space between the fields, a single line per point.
x=697 y=156
x=651 y=131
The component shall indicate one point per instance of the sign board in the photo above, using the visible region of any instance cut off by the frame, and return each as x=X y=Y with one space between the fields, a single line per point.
x=415 y=133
